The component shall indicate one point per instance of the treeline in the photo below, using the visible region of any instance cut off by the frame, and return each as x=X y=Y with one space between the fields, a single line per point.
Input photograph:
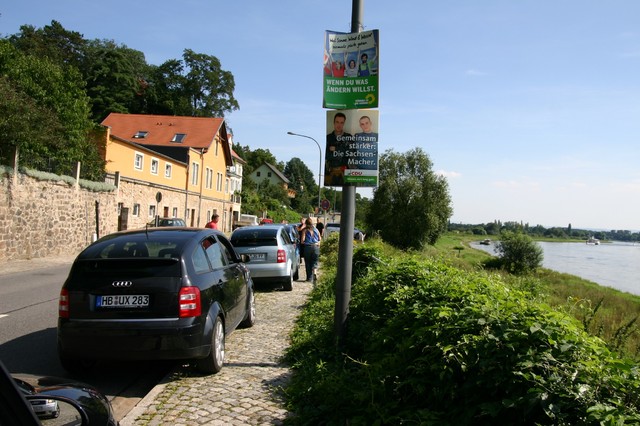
x=57 y=86
x=497 y=227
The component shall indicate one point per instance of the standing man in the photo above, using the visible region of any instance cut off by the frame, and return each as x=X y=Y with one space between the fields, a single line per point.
x=336 y=151
x=213 y=224
x=320 y=228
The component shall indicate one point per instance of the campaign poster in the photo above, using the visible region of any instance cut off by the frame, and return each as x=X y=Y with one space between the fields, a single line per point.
x=351 y=154
x=351 y=70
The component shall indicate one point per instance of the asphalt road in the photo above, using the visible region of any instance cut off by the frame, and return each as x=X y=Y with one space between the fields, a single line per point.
x=28 y=316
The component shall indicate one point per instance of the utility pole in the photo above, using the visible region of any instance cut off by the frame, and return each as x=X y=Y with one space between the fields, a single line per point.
x=347 y=225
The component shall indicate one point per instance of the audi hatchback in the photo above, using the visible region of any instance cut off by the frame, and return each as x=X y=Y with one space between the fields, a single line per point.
x=272 y=253
x=163 y=293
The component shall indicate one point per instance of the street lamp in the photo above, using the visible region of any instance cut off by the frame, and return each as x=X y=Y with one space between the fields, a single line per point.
x=319 y=165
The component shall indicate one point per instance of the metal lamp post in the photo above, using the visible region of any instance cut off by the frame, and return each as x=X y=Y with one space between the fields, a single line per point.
x=319 y=166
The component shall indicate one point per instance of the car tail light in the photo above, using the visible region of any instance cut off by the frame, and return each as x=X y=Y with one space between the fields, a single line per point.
x=63 y=304
x=189 y=302
x=282 y=256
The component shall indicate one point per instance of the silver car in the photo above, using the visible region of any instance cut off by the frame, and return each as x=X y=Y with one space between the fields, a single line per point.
x=272 y=253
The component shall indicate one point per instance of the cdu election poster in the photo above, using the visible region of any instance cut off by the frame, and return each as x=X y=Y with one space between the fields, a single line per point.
x=351 y=70
x=351 y=153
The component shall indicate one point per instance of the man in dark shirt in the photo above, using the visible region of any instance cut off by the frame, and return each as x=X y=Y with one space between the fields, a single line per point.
x=336 y=159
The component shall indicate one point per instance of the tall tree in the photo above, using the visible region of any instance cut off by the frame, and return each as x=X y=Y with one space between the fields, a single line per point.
x=53 y=41
x=194 y=86
x=116 y=78
x=411 y=206
x=58 y=93
x=302 y=181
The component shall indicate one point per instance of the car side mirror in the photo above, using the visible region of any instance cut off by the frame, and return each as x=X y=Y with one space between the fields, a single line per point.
x=57 y=410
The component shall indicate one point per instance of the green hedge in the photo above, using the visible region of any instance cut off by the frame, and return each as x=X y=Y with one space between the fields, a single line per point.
x=431 y=344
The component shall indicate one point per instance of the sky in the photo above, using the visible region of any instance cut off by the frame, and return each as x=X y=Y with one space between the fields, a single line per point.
x=530 y=108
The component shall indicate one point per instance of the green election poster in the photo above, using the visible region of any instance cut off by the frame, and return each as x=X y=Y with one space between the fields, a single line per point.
x=351 y=70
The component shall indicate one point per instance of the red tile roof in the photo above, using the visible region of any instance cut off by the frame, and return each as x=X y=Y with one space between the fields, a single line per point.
x=200 y=131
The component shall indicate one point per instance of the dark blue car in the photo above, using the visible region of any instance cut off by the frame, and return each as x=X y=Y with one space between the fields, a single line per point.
x=163 y=293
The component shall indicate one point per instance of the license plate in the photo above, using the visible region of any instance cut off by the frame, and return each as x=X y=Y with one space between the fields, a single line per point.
x=257 y=256
x=123 y=301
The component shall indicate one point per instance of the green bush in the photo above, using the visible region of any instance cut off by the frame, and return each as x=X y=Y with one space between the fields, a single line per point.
x=430 y=344
x=519 y=253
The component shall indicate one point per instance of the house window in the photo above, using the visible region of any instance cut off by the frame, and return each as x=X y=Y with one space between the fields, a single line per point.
x=140 y=134
x=167 y=170
x=258 y=174
x=138 y=162
x=219 y=182
x=195 y=168
x=175 y=212
x=178 y=137
x=136 y=210
x=209 y=179
x=152 y=211
x=155 y=164
x=268 y=174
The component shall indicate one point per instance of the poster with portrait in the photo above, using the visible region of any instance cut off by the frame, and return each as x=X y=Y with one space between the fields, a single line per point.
x=351 y=70
x=351 y=153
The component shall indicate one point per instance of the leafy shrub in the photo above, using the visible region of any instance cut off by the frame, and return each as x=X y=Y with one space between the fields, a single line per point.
x=430 y=344
x=519 y=253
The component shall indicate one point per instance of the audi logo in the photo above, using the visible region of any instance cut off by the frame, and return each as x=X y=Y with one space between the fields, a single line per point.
x=122 y=284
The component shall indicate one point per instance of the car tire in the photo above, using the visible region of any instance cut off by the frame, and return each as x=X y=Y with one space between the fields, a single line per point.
x=250 y=317
x=213 y=362
x=296 y=274
x=287 y=285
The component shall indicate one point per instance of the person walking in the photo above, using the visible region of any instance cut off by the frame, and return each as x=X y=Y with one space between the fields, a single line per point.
x=213 y=224
x=311 y=244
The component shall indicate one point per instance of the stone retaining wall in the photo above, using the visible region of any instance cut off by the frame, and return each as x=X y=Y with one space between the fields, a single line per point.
x=40 y=218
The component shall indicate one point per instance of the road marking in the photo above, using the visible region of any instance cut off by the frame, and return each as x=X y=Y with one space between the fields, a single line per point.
x=3 y=315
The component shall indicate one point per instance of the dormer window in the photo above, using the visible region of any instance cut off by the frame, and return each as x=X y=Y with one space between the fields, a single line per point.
x=141 y=134
x=178 y=137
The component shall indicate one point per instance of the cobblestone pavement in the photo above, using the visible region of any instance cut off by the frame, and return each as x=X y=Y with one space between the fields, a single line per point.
x=247 y=389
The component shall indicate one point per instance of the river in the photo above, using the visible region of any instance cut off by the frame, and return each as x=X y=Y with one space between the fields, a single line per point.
x=615 y=264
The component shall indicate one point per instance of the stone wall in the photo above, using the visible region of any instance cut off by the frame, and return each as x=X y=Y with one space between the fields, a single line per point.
x=42 y=218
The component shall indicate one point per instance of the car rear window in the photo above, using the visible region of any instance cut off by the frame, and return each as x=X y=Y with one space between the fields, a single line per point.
x=254 y=237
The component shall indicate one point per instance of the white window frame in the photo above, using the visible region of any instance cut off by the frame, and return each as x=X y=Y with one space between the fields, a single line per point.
x=152 y=210
x=175 y=212
x=155 y=165
x=219 y=182
x=195 y=171
x=138 y=161
x=208 y=178
x=136 y=210
x=167 y=170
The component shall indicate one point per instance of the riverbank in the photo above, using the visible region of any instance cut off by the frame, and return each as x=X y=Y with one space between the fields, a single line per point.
x=605 y=312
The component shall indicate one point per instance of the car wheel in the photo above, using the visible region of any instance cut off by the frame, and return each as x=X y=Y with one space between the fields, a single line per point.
x=213 y=362
x=296 y=274
x=250 y=317
x=288 y=282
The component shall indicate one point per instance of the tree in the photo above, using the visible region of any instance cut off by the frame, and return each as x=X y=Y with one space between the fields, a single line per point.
x=519 y=253
x=57 y=94
x=194 y=86
x=303 y=182
x=53 y=41
x=116 y=78
x=411 y=206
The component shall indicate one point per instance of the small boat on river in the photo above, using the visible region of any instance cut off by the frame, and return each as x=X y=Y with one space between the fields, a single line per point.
x=593 y=241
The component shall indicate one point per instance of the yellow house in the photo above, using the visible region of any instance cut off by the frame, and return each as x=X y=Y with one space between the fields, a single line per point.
x=170 y=166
